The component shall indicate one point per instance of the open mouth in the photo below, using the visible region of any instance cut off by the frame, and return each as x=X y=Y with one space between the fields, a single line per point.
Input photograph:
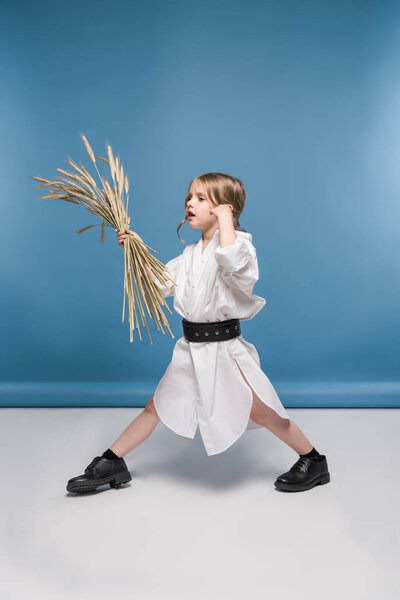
x=191 y=214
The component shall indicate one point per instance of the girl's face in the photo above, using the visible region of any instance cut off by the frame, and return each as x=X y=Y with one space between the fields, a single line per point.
x=199 y=205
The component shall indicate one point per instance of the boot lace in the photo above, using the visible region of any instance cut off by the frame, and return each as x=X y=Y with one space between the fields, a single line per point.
x=301 y=464
x=92 y=464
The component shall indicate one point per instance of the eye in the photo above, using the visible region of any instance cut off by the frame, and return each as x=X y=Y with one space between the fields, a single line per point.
x=190 y=197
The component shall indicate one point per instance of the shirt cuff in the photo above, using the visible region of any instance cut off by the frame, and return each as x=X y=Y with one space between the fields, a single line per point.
x=171 y=268
x=234 y=257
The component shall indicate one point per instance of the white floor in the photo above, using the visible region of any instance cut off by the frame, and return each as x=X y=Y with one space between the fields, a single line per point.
x=194 y=527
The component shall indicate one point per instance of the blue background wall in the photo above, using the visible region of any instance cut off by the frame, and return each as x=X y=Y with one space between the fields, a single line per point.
x=299 y=99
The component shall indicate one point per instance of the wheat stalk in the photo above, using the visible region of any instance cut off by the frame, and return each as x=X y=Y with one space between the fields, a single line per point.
x=109 y=202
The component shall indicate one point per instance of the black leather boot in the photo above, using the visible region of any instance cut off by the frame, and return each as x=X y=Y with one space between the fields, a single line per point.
x=100 y=471
x=304 y=474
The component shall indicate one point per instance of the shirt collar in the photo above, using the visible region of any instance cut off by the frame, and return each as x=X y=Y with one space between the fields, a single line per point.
x=215 y=237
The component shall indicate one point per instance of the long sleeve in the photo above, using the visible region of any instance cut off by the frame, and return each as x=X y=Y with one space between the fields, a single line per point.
x=172 y=268
x=238 y=264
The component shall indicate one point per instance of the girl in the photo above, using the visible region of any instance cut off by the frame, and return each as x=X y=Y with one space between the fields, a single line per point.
x=214 y=380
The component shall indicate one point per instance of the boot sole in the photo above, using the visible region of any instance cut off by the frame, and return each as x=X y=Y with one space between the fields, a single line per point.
x=114 y=481
x=298 y=487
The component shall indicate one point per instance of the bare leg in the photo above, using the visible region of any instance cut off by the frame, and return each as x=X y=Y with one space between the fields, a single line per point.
x=137 y=431
x=284 y=429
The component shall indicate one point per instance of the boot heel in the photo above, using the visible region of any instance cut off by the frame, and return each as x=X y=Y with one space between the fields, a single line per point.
x=325 y=479
x=120 y=479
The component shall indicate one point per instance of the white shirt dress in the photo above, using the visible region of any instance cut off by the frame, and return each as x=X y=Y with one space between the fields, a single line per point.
x=202 y=386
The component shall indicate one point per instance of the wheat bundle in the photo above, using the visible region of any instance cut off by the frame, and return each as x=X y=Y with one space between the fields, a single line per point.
x=110 y=202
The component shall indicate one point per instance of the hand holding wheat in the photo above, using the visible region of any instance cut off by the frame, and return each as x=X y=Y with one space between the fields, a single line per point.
x=108 y=203
x=122 y=235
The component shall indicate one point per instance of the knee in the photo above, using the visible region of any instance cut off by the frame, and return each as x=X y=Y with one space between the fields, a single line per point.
x=260 y=417
x=260 y=412
x=150 y=408
x=268 y=418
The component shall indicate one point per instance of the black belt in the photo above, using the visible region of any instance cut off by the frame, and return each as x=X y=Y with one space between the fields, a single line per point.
x=215 y=331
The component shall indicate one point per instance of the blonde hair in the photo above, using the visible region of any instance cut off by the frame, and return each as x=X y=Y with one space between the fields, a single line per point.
x=220 y=189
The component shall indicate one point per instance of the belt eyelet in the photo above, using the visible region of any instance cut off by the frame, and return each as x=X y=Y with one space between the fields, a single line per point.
x=206 y=333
